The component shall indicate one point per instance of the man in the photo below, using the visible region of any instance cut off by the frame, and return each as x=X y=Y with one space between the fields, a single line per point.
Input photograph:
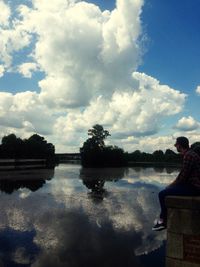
x=187 y=182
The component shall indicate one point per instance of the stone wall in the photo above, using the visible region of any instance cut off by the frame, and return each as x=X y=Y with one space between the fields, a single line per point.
x=183 y=232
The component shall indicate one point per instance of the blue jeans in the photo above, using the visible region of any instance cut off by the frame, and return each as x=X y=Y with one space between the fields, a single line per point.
x=175 y=190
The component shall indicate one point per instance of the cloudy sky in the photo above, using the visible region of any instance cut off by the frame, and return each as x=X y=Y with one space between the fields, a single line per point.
x=129 y=65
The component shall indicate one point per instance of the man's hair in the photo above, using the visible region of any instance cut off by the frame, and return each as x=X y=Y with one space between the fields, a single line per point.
x=182 y=141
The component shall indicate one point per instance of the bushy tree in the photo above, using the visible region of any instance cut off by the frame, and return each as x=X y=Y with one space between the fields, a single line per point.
x=97 y=136
x=11 y=146
x=33 y=147
x=37 y=146
x=158 y=155
x=171 y=156
x=95 y=153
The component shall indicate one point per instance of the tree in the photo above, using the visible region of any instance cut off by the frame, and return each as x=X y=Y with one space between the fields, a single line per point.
x=33 y=147
x=37 y=146
x=11 y=146
x=171 y=156
x=94 y=152
x=98 y=135
x=135 y=156
x=158 y=155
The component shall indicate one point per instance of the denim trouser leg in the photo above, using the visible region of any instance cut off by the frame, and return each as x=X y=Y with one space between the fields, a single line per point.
x=175 y=190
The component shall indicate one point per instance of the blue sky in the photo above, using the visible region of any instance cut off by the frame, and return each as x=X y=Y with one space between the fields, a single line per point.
x=66 y=75
x=173 y=52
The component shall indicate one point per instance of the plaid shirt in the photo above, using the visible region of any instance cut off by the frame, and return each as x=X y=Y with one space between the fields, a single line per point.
x=190 y=172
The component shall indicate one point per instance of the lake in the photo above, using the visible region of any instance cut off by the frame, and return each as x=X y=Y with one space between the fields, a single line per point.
x=70 y=217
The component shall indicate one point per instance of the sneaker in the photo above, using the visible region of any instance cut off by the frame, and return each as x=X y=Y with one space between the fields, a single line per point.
x=159 y=226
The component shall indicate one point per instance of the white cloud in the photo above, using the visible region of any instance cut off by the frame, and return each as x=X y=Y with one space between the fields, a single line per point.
x=14 y=37
x=23 y=110
x=148 y=144
x=198 y=89
x=1 y=70
x=26 y=69
x=14 y=34
x=187 y=124
x=83 y=51
x=4 y=14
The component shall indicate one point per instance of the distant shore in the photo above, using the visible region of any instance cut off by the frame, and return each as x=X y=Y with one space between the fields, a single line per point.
x=154 y=164
x=9 y=164
x=133 y=163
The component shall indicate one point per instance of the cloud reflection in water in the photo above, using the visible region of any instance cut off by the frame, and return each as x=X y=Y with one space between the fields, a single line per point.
x=73 y=230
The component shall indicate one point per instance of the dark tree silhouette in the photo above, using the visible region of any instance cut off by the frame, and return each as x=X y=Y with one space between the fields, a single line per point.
x=98 y=135
x=171 y=156
x=33 y=147
x=158 y=155
x=11 y=146
x=95 y=153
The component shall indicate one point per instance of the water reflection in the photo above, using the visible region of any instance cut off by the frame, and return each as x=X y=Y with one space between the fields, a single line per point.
x=159 y=169
x=59 y=225
x=31 y=179
x=94 y=180
x=10 y=186
x=18 y=248
x=82 y=242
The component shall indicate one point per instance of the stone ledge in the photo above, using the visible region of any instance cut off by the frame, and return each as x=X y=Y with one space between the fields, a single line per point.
x=183 y=231
x=183 y=202
x=185 y=221
x=175 y=250
x=177 y=263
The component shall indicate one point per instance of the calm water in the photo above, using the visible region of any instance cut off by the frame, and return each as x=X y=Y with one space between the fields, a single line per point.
x=70 y=217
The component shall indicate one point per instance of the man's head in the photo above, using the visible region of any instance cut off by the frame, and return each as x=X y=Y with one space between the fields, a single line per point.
x=182 y=144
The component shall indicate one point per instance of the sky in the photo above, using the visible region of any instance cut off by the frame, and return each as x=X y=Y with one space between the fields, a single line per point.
x=129 y=65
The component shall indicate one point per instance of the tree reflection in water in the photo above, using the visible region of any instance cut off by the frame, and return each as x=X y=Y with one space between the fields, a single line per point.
x=30 y=179
x=94 y=180
x=9 y=186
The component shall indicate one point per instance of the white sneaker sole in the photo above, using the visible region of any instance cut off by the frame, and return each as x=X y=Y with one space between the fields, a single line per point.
x=158 y=228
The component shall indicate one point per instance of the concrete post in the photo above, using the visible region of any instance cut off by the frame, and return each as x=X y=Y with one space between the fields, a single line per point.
x=183 y=232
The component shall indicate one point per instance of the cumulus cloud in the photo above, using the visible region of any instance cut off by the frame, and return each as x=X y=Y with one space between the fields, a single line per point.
x=187 y=124
x=26 y=69
x=5 y=13
x=198 y=89
x=147 y=144
x=89 y=59
x=14 y=36
x=82 y=50
x=1 y=70
x=24 y=111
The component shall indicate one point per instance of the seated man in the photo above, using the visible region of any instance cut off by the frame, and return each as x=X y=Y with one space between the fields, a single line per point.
x=187 y=182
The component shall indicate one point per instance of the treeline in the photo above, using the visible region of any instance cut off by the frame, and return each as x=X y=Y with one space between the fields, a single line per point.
x=35 y=147
x=157 y=156
x=94 y=152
